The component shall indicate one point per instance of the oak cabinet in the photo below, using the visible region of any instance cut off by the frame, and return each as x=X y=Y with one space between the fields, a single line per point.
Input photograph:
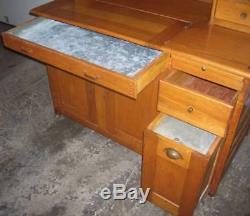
x=117 y=116
x=182 y=143
x=178 y=161
x=116 y=73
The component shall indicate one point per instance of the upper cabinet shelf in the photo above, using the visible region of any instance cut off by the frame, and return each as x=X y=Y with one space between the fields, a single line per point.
x=142 y=27
x=233 y=14
x=191 y=11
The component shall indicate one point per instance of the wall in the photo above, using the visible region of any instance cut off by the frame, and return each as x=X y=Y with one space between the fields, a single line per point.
x=16 y=12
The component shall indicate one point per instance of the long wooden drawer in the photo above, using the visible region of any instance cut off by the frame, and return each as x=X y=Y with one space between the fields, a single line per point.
x=236 y=11
x=196 y=101
x=145 y=63
x=178 y=161
x=206 y=70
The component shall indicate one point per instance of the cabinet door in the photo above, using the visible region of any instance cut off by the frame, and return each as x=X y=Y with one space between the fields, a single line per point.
x=72 y=96
x=83 y=100
x=115 y=115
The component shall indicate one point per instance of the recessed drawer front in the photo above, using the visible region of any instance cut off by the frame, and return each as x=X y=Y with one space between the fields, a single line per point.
x=174 y=153
x=200 y=110
x=94 y=64
x=205 y=70
x=236 y=11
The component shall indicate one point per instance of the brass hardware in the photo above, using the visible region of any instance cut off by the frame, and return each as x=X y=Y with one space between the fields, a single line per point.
x=188 y=25
x=173 y=154
x=177 y=140
x=190 y=109
x=203 y=68
x=243 y=15
x=25 y=50
x=92 y=77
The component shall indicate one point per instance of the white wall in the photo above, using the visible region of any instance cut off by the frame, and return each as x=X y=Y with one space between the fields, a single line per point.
x=17 y=11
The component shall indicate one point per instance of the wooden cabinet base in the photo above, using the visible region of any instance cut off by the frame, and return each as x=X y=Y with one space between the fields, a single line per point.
x=177 y=175
x=164 y=203
x=116 y=116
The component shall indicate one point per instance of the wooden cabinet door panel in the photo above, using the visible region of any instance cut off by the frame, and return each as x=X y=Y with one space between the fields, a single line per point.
x=74 y=95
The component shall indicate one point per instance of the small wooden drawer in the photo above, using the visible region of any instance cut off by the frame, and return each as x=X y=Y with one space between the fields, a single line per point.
x=236 y=11
x=113 y=63
x=206 y=70
x=178 y=161
x=199 y=102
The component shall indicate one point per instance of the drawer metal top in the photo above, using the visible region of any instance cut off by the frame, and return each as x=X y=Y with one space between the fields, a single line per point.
x=99 y=49
x=186 y=134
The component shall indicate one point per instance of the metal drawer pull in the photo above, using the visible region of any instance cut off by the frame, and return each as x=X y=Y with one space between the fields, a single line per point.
x=243 y=15
x=92 y=77
x=25 y=50
x=177 y=140
x=190 y=109
x=173 y=154
x=203 y=68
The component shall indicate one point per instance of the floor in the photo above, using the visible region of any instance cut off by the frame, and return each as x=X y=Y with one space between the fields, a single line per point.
x=51 y=166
